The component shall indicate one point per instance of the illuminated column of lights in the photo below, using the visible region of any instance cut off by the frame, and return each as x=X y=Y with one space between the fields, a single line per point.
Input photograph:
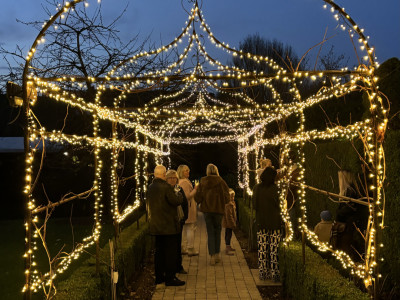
x=114 y=175
x=283 y=186
x=259 y=153
x=158 y=158
x=98 y=193
x=168 y=156
x=137 y=169
x=30 y=273
x=246 y=171
x=240 y=164
x=145 y=167
x=300 y=164
x=374 y=154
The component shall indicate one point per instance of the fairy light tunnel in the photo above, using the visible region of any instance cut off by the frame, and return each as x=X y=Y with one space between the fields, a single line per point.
x=193 y=114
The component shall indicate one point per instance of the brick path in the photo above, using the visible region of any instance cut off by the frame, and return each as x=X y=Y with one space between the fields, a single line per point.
x=230 y=279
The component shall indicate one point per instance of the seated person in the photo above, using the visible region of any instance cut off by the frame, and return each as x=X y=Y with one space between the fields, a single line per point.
x=323 y=228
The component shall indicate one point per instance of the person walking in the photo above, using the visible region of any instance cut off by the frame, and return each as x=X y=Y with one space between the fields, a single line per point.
x=161 y=204
x=212 y=194
x=229 y=222
x=268 y=221
x=172 y=180
x=190 y=226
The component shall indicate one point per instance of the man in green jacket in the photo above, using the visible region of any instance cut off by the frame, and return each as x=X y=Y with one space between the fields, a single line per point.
x=162 y=203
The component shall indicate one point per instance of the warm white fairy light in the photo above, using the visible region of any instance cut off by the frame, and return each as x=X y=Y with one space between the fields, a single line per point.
x=175 y=121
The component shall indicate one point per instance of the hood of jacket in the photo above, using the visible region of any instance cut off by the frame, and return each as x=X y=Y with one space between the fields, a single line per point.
x=268 y=176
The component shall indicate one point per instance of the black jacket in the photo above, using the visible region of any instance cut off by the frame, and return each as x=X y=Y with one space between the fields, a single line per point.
x=162 y=203
x=184 y=207
x=266 y=202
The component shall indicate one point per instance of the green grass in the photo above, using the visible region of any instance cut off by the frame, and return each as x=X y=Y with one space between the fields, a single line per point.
x=11 y=260
x=59 y=236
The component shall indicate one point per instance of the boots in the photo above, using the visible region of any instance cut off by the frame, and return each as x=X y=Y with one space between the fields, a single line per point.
x=229 y=248
x=228 y=252
x=217 y=258
x=192 y=252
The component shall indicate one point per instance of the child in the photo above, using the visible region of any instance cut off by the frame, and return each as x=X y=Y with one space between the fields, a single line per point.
x=229 y=221
x=323 y=228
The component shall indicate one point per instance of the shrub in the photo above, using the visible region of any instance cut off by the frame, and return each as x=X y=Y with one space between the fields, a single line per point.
x=244 y=221
x=314 y=280
x=133 y=245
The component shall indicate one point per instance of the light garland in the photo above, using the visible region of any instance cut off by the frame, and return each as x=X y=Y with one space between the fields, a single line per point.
x=191 y=119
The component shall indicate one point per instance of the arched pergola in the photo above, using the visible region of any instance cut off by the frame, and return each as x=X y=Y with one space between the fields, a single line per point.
x=191 y=113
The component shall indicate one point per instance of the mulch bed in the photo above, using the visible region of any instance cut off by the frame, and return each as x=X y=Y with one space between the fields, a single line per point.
x=142 y=286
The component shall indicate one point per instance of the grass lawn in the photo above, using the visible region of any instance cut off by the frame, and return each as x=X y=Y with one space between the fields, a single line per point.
x=59 y=236
x=11 y=260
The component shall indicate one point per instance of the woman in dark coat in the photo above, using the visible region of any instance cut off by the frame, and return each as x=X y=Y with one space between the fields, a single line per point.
x=268 y=220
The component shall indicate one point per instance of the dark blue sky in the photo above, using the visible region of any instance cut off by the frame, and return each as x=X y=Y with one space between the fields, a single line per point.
x=300 y=23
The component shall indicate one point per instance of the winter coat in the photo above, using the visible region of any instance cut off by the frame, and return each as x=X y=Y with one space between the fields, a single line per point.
x=162 y=203
x=266 y=202
x=212 y=194
x=323 y=231
x=187 y=187
x=184 y=206
x=229 y=220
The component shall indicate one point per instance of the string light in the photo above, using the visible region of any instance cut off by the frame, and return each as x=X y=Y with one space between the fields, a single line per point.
x=193 y=115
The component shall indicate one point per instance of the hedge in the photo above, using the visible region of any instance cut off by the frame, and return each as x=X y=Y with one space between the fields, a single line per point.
x=314 y=280
x=84 y=284
x=244 y=221
x=390 y=267
x=320 y=172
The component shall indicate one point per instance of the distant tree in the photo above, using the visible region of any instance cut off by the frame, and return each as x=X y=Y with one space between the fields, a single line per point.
x=333 y=61
x=283 y=55
x=80 y=44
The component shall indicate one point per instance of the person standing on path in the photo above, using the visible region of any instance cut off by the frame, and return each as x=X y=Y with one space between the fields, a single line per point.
x=161 y=204
x=172 y=180
x=268 y=220
x=190 y=226
x=212 y=194
x=229 y=221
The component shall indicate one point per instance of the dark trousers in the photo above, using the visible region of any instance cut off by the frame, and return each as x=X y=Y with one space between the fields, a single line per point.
x=228 y=236
x=165 y=257
x=179 y=266
x=213 y=225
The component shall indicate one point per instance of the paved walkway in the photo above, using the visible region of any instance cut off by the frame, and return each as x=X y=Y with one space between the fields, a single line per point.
x=230 y=279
